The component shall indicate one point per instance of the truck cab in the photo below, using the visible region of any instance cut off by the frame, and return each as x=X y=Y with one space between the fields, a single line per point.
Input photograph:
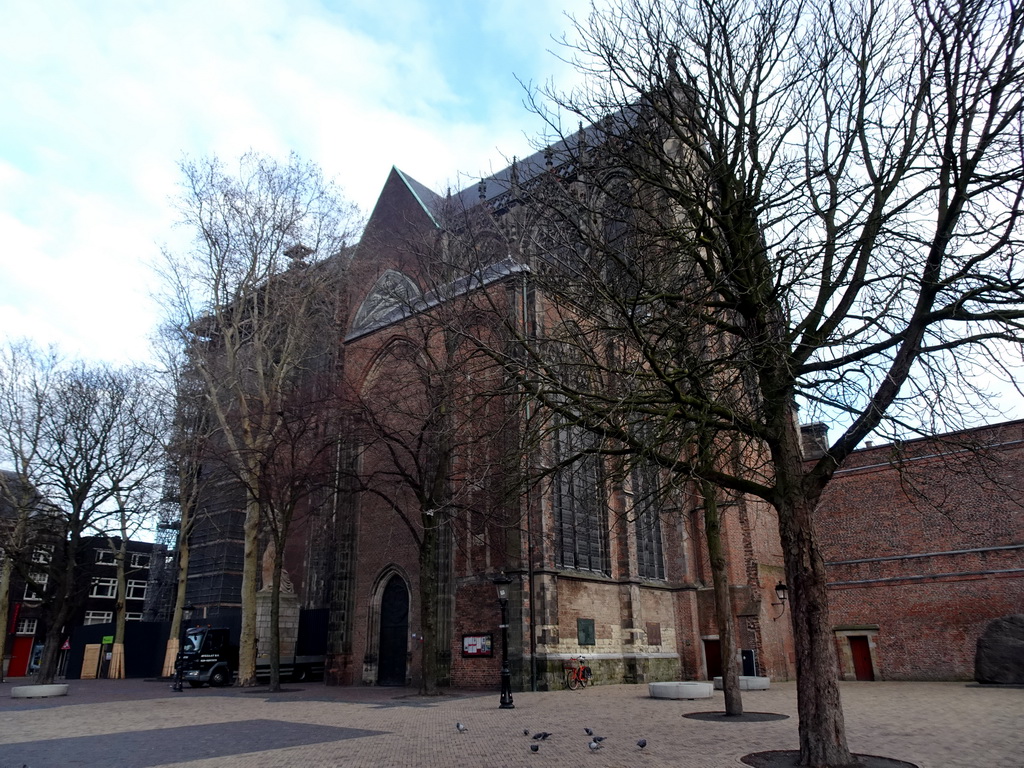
x=208 y=656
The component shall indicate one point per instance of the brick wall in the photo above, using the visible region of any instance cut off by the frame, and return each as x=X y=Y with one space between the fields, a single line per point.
x=925 y=545
x=476 y=613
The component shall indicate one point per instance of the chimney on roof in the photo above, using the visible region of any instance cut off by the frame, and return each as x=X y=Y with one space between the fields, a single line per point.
x=814 y=439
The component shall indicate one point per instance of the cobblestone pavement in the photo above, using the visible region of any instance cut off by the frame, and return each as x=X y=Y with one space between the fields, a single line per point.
x=135 y=723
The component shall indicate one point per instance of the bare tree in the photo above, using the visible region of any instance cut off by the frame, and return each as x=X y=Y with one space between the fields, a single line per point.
x=84 y=439
x=242 y=303
x=778 y=205
x=138 y=437
x=24 y=381
x=298 y=475
x=186 y=446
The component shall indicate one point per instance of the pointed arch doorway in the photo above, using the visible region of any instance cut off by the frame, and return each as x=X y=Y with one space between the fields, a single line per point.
x=394 y=632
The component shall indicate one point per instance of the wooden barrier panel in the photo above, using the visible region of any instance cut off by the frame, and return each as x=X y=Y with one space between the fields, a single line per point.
x=91 y=661
x=116 y=671
x=170 y=656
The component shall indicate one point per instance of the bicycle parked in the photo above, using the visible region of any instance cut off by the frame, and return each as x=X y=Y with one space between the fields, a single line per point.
x=577 y=673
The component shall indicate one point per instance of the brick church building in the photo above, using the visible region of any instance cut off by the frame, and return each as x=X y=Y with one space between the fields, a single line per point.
x=437 y=501
x=627 y=588
x=439 y=495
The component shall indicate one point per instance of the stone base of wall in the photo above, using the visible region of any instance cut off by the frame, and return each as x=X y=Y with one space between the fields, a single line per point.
x=607 y=670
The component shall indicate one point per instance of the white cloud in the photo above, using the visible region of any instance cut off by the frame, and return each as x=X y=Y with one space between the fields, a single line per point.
x=110 y=95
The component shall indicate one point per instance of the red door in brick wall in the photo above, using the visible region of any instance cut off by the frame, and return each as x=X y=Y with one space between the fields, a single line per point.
x=861 y=651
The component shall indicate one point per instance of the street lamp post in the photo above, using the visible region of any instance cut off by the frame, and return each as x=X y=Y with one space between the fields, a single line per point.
x=781 y=592
x=501 y=584
x=186 y=615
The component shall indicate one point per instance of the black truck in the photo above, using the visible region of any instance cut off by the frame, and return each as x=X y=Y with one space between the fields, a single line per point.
x=210 y=655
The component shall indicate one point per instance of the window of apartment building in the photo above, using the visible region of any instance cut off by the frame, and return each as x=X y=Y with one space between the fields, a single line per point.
x=140 y=560
x=133 y=616
x=104 y=588
x=105 y=557
x=36 y=587
x=650 y=556
x=26 y=627
x=98 y=617
x=581 y=521
x=136 y=590
x=43 y=553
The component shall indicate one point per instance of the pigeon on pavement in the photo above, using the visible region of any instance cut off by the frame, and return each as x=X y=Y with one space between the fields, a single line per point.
x=534 y=747
x=542 y=736
x=588 y=731
x=526 y=731
x=461 y=728
x=642 y=743
x=599 y=739
x=594 y=745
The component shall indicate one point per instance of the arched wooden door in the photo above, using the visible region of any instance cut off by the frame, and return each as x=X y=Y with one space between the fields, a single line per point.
x=394 y=633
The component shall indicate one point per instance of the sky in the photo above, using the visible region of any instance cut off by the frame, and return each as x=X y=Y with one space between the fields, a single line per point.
x=100 y=101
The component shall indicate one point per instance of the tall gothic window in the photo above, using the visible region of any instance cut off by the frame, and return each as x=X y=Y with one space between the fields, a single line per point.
x=650 y=556
x=581 y=521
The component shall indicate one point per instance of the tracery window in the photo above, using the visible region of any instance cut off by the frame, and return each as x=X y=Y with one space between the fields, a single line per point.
x=391 y=296
x=650 y=554
x=581 y=519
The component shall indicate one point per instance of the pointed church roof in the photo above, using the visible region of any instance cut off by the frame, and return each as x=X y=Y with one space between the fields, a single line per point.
x=430 y=200
x=521 y=171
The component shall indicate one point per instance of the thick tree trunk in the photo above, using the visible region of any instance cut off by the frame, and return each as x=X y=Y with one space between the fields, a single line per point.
x=60 y=612
x=116 y=668
x=58 y=619
x=428 y=607
x=122 y=592
x=723 y=604
x=275 y=620
x=170 y=654
x=184 y=553
x=250 y=578
x=822 y=728
x=51 y=648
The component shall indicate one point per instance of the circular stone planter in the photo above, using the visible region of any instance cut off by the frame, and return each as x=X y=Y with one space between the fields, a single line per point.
x=748 y=683
x=39 y=691
x=680 y=690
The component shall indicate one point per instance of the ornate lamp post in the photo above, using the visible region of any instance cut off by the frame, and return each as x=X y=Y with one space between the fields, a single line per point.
x=501 y=584
x=186 y=615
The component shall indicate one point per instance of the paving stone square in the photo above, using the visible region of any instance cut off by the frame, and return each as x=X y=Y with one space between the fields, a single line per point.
x=144 y=724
